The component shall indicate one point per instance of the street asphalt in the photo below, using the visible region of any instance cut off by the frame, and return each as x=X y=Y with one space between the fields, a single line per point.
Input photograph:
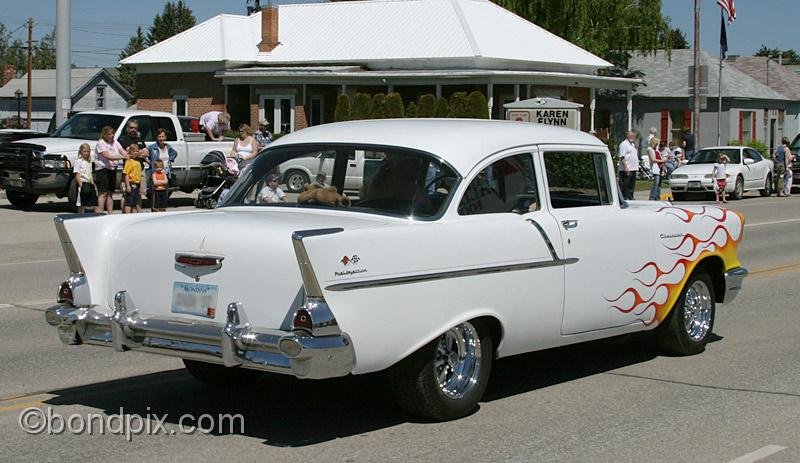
x=739 y=401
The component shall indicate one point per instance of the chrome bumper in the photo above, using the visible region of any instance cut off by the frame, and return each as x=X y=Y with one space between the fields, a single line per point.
x=733 y=283
x=277 y=351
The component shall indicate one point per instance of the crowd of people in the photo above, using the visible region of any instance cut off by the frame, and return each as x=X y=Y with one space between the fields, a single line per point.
x=664 y=158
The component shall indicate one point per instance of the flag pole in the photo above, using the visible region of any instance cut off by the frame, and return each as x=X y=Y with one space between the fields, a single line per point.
x=696 y=96
x=719 y=92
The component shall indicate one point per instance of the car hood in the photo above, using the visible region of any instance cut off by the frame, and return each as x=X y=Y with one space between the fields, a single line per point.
x=259 y=267
x=701 y=169
x=65 y=146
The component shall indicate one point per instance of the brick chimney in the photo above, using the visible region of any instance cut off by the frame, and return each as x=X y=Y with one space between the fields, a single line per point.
x=7 y=73
x=269 y=29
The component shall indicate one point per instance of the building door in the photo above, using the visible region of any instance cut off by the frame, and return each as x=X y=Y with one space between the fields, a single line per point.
x=278 y=110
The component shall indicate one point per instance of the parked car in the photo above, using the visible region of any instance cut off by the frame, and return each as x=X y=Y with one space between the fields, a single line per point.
x=469 y=241
x=748 y=171
x=9 y=135
x=37 y=166
x=301 y=170
x=795 y=148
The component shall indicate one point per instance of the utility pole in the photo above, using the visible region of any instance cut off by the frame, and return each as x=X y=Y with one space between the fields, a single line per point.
x=63 y=73
x=30 y=68
x=697 y=83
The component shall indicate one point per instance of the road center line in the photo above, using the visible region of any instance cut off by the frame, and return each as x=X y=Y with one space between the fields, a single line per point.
x=47 y=261
x=774 y=222
x=759 y=454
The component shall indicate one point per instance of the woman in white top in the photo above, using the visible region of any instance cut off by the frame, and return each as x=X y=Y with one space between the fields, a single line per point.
x=656 y=162
x=245 y=147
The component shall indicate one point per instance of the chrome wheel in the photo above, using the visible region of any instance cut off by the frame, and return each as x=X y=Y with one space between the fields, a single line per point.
x=295 y=181
x=457 y=363
x=697 y=310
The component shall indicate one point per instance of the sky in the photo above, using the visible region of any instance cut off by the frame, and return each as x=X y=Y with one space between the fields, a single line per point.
x=102 y=28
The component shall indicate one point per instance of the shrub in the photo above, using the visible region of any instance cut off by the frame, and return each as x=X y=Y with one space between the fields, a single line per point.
x=412 y=110
x=427 y=106
x=362 y=107
x=394 y=106
x=442 y=108
x=458 y=105
x=756 y=145
x=477 y=106
x=378 y=107
x=342 y=111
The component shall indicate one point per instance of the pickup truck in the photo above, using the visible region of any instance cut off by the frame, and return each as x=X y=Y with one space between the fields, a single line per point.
x=38 y=166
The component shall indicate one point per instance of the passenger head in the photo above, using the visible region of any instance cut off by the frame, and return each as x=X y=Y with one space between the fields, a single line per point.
x=272 y=180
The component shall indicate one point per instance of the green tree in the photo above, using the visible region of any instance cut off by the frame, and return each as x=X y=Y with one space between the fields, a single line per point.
x=412 y=110
x=458 y=105
x=11 y=52
x=175 y=18
x=608 y=28
x=442 y=108
x=394 y=106
x=378 y=106
x=677 y=40
x=342 y=111
x=427 y=106
x=477 y=106
x=788 y=56
x=362 y=107
x=127 y=73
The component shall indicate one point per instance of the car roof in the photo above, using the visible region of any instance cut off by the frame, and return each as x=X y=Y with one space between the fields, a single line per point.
x=461 y=142
x=723 y=148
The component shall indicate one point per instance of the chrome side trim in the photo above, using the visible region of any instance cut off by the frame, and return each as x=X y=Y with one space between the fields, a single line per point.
x=733 y=283
x=450 y=274
x=545 y=237
x=310 y=282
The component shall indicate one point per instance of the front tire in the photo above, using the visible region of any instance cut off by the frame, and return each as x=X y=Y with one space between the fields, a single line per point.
x=738 y=189
x=689 y=325
x=767 y=191
x=445 y=379
x=219 y=375
x=21 y=200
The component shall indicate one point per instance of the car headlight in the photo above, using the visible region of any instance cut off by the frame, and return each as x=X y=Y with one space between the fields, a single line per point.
x=707 y=176
x=55 y=163
x=679 y=176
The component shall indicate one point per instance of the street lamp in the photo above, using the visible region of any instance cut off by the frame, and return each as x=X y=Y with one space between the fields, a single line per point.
x=18 y=94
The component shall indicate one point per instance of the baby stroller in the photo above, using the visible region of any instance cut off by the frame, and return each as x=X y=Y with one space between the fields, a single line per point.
x=219 y=174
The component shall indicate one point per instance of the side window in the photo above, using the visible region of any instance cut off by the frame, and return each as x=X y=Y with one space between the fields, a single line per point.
x=577 y=179
x=162 y=123
x=507 y=185
x=146 y=130
x=753 y=154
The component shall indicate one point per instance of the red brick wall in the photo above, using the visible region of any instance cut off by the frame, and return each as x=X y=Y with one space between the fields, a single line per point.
x=206 y=93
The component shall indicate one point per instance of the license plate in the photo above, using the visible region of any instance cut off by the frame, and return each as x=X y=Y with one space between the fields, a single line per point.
x=195 y=299
x=694 y=184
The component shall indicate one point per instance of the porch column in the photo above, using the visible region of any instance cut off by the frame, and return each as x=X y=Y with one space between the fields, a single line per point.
x=592 y=106
x=490 y=97
x=438 y=91
x=343 y=89
x=390 y=89
x=516 y=92
x=630 y=109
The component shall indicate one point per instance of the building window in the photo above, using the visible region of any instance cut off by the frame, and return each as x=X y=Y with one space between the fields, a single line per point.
x=180 y=105
x=100 y=97
x=317 y=110
x=747 y=126
x=278 y=110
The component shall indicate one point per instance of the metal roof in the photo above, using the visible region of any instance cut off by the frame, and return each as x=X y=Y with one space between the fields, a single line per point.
x=668 y=76
x=43 y=82
x=461 y=142
x=769 y=73
x=382 y=34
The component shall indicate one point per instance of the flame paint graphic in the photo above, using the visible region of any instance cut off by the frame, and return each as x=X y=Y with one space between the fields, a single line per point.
x=711 y=231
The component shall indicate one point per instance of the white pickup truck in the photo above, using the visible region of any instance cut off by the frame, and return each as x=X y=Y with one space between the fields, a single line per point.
x=37 y=166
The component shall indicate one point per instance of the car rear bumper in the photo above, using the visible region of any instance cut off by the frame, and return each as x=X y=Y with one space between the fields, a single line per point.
x=294 y=353
x=733 y=283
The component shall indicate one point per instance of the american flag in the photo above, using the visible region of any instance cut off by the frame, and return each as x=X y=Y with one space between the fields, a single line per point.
x=730 y=8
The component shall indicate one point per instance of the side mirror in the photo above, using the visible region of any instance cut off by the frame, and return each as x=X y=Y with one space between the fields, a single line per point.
x=748 y=161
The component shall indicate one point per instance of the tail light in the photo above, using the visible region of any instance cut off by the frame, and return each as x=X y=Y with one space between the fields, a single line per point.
x=65 y=293
x=194 y=125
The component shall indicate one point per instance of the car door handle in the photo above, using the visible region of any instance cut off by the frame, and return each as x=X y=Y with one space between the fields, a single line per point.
x=352 y=165
x=567 y=224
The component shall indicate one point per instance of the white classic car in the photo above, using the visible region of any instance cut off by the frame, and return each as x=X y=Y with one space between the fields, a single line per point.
x=747 y=170
x=468 y=241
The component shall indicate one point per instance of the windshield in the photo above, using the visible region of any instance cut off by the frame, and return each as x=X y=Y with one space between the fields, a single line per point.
x=87 y=126
x=380 y=180
x=710 y=156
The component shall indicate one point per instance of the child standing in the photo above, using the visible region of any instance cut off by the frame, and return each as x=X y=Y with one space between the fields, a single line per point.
x=86 y=195
x=160 y=183
x=132 y=177
x=720 y=177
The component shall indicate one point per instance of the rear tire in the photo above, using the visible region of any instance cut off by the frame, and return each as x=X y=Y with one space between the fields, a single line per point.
x=445 y=379
x=738 y=189
x=767 y=191
x=295 y=181
x=21 y=200
x=219 y=375
x=688 y=326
